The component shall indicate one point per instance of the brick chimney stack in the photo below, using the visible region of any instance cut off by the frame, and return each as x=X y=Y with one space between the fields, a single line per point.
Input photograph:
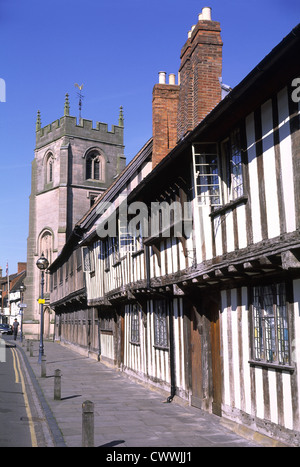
x=200 y=70
x=164 y=117
x=21 y=267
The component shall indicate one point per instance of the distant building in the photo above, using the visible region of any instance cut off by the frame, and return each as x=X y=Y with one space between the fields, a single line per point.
x=11 y=295
x=73 y=164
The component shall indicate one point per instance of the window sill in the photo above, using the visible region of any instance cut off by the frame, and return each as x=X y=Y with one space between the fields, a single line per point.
x=48 y=186
x=275 y=366
x=136 y=253
x=159 y=347
x=95 y=180
x=137 y=344
x=230 y=205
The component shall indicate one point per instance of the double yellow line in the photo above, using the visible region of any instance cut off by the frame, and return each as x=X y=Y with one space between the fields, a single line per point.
x=20 y=378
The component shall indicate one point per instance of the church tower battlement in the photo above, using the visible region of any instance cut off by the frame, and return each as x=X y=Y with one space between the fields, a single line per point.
x=68 y=126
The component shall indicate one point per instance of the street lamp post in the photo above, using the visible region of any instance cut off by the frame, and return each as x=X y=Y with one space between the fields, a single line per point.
x=22 y=290
x=42 y=263
x=1 y=305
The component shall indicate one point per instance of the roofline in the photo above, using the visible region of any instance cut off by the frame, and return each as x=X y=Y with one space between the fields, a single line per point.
x=222 y=107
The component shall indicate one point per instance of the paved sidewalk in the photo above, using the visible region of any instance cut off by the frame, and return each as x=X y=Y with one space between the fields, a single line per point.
x=126 y=414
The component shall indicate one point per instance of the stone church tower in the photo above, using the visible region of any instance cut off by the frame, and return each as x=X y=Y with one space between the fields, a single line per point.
x=73 y=164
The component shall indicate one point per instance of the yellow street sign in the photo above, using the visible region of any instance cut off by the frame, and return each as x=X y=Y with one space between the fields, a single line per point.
x=41 y=300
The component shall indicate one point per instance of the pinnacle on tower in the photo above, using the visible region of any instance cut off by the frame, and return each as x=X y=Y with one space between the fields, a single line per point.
x=67 y=106
x=121 y=117
x=38 y=121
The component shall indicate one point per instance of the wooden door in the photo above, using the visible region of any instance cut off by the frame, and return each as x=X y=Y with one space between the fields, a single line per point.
x=216 y=358
x=196 y=361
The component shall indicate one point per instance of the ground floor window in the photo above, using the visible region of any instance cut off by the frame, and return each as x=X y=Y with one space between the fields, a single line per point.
x=135 y=312
x=160 y=323
x=271 y=333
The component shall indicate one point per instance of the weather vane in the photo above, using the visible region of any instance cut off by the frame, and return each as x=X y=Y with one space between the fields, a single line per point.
x=79 y=94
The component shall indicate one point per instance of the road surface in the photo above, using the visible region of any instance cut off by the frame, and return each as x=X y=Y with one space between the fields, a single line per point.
x=22 y=422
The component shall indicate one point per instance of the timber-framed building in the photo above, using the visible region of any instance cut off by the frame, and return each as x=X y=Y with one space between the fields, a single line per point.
x=207 y=305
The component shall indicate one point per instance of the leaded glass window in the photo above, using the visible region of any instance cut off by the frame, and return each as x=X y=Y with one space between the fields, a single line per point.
x=206 y=174
x=87 y=260
x=271 y=333
x=94 y=166
x=160 y=323
x=234 y=167
x=135 y=323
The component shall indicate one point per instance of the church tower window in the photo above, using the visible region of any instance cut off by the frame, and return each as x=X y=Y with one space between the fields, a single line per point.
x=94 y=167
x=46 y=247
x=49 y=168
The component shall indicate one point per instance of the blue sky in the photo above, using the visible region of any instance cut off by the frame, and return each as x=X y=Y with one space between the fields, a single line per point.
x=116 y=48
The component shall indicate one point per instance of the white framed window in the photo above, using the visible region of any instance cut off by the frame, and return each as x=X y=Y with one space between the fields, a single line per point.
x=87 y=259
x=206 y=174
x=126 y=240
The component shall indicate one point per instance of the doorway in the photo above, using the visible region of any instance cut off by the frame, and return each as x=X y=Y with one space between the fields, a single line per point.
x=205 y=352
x=216 y=359
x=196 y=359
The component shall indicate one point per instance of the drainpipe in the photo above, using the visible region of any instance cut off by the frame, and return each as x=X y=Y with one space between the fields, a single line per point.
x=172 y=355
x=99 y=336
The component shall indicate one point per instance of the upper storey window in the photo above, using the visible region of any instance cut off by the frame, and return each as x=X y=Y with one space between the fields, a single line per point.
x=234 y=168
x=218 y=176
x=206 y=174
x=94 y=166
x=49 y=168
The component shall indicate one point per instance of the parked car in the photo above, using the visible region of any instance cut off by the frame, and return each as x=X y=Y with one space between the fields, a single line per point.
x=5 y=329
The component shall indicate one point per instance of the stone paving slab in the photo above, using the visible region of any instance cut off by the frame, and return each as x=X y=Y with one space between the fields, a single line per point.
x=126 y=414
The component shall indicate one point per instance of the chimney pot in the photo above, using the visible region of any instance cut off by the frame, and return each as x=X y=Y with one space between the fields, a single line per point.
x=172 y=78
x=206 y=13
x=162 y=77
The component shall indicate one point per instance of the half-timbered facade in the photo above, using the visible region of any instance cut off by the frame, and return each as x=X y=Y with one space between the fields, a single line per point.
x=78 y=318
x=194 y=267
